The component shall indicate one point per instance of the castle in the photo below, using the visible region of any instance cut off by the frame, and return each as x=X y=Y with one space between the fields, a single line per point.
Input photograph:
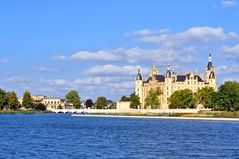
x=171 y=82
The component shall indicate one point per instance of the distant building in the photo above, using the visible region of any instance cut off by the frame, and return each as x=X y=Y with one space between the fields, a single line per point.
x=171 y=82
x=123 y=105
x=51 y=102
x=36 y=99
x=57 y=103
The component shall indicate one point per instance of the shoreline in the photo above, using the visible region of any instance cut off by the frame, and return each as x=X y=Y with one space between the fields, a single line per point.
x=13 y=112
x=160 y=117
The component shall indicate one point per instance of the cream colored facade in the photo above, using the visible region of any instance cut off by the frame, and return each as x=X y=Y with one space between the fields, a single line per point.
x=123 y=105
x=171 y=82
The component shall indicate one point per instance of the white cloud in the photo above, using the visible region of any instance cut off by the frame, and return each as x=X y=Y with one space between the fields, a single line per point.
x=229 y=79
x=195 y=35
x=59 y=82
x=145 y=32
x=115 y=70
x=180 y=47
x=43 y=69
x=101 y=55
x=136 y=55
x=61 y=58
x=113 y=87
x=227 y=69
x=228 y=4
x=17 y=79
x=232 y=52
x=100 y=80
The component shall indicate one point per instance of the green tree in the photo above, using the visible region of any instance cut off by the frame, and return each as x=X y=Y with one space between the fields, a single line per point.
x=228 y=96
x=112 y=105
x=27 y=101
x=206 y=96
x=182 y=99
x=74 y=98
x=125 y=98
x=89 y=103
x=12 y=100
x=3 y=99
x=134 y=101
x=152 y=100
x=40 y=106
x=101 y=103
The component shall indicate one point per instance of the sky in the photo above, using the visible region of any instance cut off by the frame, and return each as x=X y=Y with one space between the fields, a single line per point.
x=95 y=47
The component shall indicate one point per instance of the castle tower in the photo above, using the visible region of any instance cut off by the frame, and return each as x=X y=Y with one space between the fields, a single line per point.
x=210 y=73
x=138 y=86
x=168 y=88
x=168 y=73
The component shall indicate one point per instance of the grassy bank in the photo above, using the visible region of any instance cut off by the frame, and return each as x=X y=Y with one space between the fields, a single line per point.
x=210 y=114
x=24 y=112
x=221 y=114
x=202 y=114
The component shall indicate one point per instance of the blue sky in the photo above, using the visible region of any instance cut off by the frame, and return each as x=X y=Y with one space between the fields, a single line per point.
x=95 y=47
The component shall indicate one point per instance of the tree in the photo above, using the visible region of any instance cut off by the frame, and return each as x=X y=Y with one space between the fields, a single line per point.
x=89 y=103
x=74 y=98
x=40 y=106
x=112 y=105
x=27 y=101
x=12 y=100
x=152 y=99
x=228 y=97
x=134 y=101
x=3 y=99
x=182 y=99
x=125 y=98
x=206 y=97
x=101 y=102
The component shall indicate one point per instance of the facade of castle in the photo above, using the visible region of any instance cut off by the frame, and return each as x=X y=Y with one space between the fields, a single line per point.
x=171 y=82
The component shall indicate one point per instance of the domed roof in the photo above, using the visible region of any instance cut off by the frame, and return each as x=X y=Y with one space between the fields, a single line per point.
x=153 y=71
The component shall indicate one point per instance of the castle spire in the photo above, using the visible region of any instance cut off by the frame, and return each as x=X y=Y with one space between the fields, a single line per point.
x=139 y=76
x=168 y=74
x=168 y=67
x=173 y=70
x=210 y=57
x=209 y=65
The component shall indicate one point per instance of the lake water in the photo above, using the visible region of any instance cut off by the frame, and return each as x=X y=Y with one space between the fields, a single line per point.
x=63 y=136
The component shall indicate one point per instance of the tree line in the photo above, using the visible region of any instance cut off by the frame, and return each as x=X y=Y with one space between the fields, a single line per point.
x=9 y=101
x=226 y=98
x=100 y=103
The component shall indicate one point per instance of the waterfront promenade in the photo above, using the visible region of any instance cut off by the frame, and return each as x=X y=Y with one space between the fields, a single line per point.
x=161 y=117
x=127 y=111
